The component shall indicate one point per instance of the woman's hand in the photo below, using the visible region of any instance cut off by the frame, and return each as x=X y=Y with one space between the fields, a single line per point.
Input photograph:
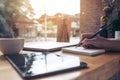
x=85 y=35
x=97 y=42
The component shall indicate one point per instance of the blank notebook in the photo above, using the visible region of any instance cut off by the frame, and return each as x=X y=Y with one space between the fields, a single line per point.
x=83 y=51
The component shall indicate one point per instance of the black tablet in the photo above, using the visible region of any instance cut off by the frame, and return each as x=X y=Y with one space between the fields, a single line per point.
x=33 y=65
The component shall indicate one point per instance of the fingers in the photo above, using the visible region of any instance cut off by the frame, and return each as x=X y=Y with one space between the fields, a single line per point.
x=88 y=43
x=85 y=35
x=90 y=47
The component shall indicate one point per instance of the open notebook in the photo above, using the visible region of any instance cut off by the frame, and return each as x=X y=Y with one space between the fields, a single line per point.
x=83 y=51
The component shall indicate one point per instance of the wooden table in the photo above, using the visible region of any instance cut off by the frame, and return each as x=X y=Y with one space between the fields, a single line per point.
x=99 y=68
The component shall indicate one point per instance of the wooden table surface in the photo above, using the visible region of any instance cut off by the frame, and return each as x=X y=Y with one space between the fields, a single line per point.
x=100 y=67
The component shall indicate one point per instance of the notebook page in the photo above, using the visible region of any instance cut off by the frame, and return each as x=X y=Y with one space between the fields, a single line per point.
x=81 y=50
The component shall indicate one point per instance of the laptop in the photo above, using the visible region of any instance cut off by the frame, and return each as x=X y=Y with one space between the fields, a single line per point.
x=47 y=46
x=38 y=64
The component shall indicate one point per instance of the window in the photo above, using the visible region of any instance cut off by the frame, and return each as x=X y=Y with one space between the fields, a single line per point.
x=42 y=24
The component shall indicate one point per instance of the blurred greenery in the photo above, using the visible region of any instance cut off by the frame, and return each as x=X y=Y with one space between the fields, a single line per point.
x=10 y=10
x=49 y=24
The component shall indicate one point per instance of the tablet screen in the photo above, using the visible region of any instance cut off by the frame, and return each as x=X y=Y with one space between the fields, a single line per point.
x=32 y=65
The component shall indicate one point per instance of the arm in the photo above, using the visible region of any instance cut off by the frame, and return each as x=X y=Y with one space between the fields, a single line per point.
x=100 y=42
x=113 y=45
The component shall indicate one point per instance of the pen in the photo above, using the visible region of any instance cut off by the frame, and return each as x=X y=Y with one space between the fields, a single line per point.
x=95 y=34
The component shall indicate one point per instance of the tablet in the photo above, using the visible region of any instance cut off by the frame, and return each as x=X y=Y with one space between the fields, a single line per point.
x=34 y=65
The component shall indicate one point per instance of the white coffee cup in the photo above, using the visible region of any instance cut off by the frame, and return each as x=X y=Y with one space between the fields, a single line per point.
x=117 y=34
x=10 y=46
